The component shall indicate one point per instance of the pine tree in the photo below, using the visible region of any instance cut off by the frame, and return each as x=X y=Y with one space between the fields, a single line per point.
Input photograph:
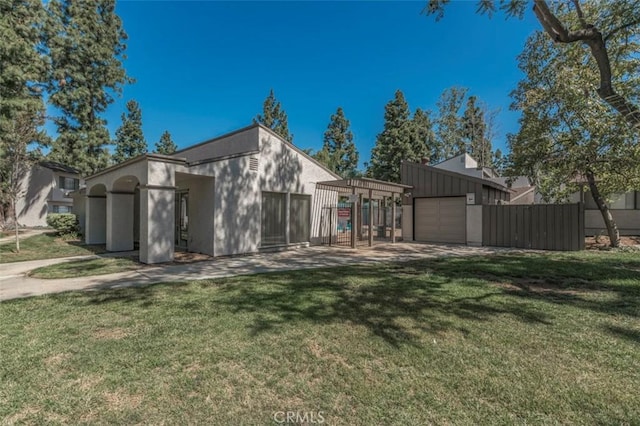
x=424 y=143
x=130 y=140
x=22 y=71
x=85 y=42
x=274 y=117
x=474 y=130
x=165 y=145
x=338 y=149
x=395 y=143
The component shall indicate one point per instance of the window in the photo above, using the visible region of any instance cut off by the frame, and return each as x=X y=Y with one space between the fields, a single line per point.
x=69 y=184
x=273 y=229
x=300 y=218
x=61 y=209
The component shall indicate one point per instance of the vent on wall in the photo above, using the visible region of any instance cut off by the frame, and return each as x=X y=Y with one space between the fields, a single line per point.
x=253 y=164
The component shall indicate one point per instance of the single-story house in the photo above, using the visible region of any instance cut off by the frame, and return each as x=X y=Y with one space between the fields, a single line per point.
x=46 y=188
x=242 y=192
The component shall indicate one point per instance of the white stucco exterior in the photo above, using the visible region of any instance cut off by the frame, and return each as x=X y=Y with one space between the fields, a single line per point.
x=224 y=180
x=41 y=193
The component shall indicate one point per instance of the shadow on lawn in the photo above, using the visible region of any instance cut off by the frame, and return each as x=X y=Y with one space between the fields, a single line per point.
x=400 y=302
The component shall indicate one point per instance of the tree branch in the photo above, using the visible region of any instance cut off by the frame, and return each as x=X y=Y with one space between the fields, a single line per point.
x=620 y=28
x=593 y=38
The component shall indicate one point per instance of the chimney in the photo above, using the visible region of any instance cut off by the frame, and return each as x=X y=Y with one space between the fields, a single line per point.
x=425 y=161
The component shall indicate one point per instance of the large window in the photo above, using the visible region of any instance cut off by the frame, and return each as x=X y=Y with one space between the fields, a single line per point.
x=300 y=218
x=69 y=184
x=61 y=209
x=273 y=229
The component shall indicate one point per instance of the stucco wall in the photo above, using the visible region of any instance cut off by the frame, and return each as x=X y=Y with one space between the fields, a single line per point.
x=474 y=225
x=238 y=191
x=36 y=186
x=407 y=223
x=628 y=222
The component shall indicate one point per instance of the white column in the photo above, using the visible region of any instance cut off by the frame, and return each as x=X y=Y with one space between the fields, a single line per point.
x=157 y=224
x=119 y=221
x=95 y=231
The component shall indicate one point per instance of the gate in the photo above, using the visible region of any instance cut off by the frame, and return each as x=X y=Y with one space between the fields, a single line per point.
x=540 y=226
x=335 y=225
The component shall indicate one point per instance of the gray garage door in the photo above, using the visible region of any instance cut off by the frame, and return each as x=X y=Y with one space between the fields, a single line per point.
x=440 y=220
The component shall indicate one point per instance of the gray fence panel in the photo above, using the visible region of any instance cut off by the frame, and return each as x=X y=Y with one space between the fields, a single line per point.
x=543 y=226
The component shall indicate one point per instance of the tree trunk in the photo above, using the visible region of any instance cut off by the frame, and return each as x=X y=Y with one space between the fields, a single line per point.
x=612 y=228
x=15 y=225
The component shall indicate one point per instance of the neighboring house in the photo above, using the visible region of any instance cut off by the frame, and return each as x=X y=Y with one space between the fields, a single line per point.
x=46 y=189
x=243 y=192
x=625 y=209
x=466 y=165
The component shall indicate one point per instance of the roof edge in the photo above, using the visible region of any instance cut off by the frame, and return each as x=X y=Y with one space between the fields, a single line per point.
x=160 y=157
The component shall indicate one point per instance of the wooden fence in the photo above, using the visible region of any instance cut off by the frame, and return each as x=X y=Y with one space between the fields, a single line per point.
x=541 y=226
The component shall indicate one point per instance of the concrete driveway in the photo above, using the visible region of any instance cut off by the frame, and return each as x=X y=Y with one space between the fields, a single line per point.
x=15 y=284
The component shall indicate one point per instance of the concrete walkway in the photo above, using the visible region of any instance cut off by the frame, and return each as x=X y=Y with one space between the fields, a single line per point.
x=15 y=284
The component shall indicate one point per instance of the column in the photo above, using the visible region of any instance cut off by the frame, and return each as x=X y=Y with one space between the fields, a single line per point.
x=157 y=223
x=393 y=217
x=370 y=218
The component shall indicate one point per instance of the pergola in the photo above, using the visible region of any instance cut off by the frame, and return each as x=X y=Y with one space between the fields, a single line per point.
x=371 y=189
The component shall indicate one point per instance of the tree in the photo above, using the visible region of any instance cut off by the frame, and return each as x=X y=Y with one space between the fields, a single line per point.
x=338 y=151
x=85 y=42
x=500 y=162
x=165 y=145
x=395 y=143
x=474 y=131
x=449 y=131
x=424 y=144
x=568 y=135
x=594 y=28
x=130 y=140
x=274 y=117
x=22 y=71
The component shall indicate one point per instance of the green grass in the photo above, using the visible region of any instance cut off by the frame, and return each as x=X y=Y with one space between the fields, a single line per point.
x=85 y=268
x=536 y=339
x=45 y=246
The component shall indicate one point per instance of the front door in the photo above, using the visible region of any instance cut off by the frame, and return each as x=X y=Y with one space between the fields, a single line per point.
x=182 y=219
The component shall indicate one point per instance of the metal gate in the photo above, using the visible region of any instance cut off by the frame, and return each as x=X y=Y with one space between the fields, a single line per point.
x=336 y=224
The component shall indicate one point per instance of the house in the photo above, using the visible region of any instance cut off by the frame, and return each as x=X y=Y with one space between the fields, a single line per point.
x=46 y=188
x=466 y=165
x=243 y=192
x=625 y=209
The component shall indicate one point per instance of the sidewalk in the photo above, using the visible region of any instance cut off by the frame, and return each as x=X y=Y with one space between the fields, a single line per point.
x=15 y=284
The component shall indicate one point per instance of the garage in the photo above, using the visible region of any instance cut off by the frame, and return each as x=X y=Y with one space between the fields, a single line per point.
x=440 y=220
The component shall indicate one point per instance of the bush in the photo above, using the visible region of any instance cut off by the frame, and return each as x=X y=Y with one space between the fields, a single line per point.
x=66 y=224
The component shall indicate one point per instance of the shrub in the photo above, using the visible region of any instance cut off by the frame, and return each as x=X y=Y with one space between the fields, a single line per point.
x=66 y=224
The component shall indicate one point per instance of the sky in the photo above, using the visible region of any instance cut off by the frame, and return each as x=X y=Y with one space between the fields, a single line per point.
x=204 y=68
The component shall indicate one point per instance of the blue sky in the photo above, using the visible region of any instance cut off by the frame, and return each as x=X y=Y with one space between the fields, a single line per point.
x=204 y=68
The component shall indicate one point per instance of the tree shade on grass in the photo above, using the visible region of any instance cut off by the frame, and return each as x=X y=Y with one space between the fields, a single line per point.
x=46 y=246
x=86 y=268
x=501 y=340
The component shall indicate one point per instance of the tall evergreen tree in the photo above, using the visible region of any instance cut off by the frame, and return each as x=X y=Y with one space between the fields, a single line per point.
x=338 y=148
x=424 y=140
x=130 y=140
x=86 y=44
x=166 y=145
x=274 y=117
x=474 y=131
x=449 y=132
x=22 y=71
x=395 y=143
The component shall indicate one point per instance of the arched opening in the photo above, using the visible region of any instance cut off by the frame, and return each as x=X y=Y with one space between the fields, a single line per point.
x=96 y=215
x=123 y=207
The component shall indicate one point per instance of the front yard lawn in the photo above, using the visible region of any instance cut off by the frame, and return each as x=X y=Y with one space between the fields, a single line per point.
x=86 y=268
x=539 y=339
x=45 y=246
